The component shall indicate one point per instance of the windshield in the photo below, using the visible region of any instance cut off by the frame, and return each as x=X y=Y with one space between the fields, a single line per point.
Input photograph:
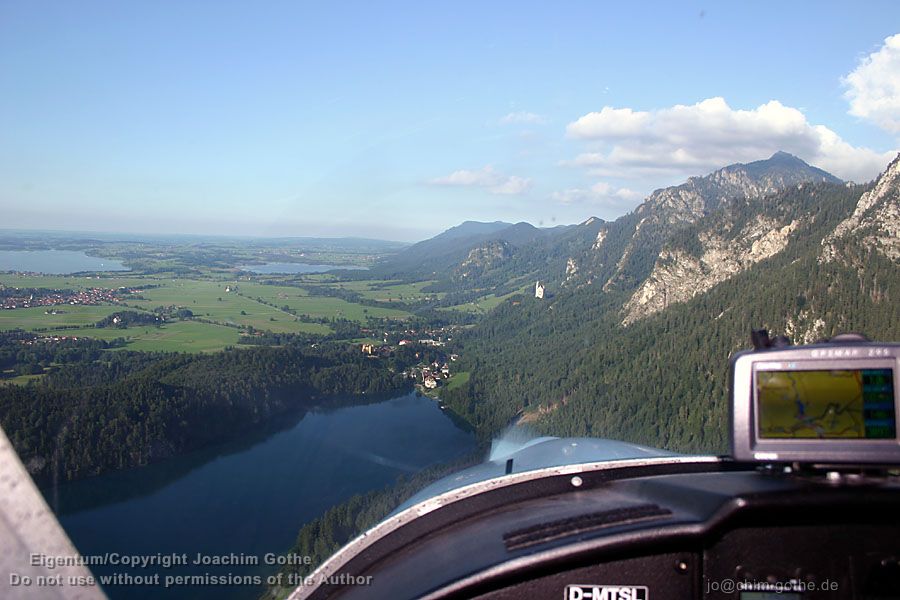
x=272 y=272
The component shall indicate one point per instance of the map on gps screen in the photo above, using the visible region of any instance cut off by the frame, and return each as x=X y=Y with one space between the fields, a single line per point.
x=853 y=404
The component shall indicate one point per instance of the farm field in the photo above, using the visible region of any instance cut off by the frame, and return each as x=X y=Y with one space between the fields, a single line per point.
x=384 y=290
x=404 y=292
x=34 y=318
x=485 y=303
x=179 y=336
x=78 y=321
x=317 y=306
x=207 y=299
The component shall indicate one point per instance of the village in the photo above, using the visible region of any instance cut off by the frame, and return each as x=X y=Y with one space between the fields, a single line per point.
x=84 y=297
x=421 y=352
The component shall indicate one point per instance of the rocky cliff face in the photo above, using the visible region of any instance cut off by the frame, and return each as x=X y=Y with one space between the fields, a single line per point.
x=669 y=209
x=752 y=180
x=483 y=258
x=571 y=269
x=685 y=270
x=804 y=327
x=875 y=224
x=601 y=237
x=679 y=275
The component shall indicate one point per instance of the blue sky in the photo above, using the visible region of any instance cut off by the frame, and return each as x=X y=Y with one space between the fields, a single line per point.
x=398 y=120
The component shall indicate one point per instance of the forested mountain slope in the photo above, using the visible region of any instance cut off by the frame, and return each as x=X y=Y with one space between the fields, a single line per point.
x=659 y=378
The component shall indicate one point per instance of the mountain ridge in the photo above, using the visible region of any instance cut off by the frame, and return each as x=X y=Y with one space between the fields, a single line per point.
x=677 y=206
x=662 y=379
x=627 y=254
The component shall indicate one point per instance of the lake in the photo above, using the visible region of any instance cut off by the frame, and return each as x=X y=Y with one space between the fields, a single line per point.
x=250 y=496
x=55 y=262
x=277 y=268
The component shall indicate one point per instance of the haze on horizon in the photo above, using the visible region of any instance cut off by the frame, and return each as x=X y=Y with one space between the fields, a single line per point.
x=396 y=122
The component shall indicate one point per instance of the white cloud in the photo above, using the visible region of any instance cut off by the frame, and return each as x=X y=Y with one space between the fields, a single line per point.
x=609 y=123
x=513 y=186
x=483 y=177
x=685 y=140
x=523 y=117
x=487 y=178
x=873 y=88
x=599 y=194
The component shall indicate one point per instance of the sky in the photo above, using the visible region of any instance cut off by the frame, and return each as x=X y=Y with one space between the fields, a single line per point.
x=398 y=120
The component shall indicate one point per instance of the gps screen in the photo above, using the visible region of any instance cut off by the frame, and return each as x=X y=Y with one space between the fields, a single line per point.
x=851 y=404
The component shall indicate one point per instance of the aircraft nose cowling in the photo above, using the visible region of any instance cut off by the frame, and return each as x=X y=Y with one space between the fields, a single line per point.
x=535 y=454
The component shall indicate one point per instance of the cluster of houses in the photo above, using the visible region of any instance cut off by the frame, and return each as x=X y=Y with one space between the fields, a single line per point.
x=431 y=375
x=47 y=339
x=431 y=336
x=428 y=375
x=90 y=296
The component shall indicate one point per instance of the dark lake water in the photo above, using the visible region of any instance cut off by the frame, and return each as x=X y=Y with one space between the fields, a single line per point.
x=55 y=262
x=249 y=497
x=274 y=268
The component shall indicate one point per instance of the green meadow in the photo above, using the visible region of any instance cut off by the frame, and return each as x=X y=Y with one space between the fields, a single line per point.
x=457 y=380
x=175 y=336
x=328 y=307
x=487 y=303
x=34 y=318
x=179 y=336
x=403 y=292
x=207 y=299
x=383 y=290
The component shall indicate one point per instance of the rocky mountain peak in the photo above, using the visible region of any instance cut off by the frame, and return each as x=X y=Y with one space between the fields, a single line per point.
x=699 y=195
x=670 y=209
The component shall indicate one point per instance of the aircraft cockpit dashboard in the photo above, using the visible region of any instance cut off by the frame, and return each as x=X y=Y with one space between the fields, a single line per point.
x=806 y=506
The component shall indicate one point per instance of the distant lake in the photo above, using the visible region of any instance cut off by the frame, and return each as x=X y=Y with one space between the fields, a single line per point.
x=55 y=262
x=277 y=268
x=252 y=495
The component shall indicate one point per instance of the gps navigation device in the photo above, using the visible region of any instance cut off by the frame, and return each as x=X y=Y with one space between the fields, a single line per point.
x=829 y=403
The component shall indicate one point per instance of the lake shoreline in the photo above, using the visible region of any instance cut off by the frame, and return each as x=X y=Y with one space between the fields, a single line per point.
x=289 y=476
x=58 y=262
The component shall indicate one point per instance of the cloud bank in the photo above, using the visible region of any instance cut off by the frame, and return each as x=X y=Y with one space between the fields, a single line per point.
x=600 y=194
x=486 y=178
x=686 y=140
x=873 y=88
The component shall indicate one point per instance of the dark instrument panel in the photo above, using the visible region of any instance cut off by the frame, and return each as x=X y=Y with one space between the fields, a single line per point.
x=661 y=529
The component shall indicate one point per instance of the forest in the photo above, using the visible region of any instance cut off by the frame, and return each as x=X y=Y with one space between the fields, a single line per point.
x=126 y=409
